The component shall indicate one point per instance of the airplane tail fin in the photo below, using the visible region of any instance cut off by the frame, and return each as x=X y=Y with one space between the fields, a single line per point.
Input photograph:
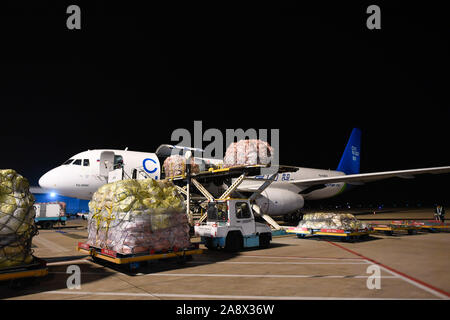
x=349 y=163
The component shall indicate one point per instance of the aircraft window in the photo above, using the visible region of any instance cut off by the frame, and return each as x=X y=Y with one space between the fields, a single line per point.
x=86 y=162
x=68 y=162
x=77 y=162
x=243 y=210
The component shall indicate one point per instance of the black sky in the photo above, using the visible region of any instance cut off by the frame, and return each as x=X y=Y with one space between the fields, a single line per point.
x=133 y=74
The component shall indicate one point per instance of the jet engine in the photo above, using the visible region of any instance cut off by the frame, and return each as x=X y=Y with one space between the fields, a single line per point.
x=278 y=202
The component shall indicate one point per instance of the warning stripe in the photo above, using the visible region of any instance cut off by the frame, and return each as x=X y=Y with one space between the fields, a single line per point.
x=424 y=284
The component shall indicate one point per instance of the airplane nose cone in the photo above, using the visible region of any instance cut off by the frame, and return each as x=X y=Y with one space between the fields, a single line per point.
x=48 y=181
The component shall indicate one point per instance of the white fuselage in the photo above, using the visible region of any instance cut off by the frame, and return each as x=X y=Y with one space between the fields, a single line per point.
x=85 y=172
x=89 y=170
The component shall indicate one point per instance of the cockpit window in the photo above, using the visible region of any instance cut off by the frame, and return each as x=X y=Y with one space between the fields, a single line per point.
x=86 y=162
x=77 y=162
x=68 y=162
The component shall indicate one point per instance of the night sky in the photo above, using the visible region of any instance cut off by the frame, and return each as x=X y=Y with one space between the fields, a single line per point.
x=133 y=74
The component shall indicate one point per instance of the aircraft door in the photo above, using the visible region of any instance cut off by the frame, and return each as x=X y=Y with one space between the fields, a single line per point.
x=106 y=162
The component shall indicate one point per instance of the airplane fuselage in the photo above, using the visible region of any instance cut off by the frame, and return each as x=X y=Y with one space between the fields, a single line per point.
x=84 y=173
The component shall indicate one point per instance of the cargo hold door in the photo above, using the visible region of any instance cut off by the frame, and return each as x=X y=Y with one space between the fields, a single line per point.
x=106 y=162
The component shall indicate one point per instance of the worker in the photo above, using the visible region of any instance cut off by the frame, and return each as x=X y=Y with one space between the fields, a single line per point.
x=439 y=213
x=119 y=164
x=442 y=214
x=221 y=216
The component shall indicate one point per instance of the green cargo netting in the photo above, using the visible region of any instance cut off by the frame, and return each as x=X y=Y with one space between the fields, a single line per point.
x=16 y=219
x=135 y=216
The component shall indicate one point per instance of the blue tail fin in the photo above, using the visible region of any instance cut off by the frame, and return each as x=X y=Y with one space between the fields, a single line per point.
x=350 y=159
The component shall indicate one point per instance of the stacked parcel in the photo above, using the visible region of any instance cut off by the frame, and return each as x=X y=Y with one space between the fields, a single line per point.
x=247 y=153
x=137 y=216
x=17 y=226
x=325 y=220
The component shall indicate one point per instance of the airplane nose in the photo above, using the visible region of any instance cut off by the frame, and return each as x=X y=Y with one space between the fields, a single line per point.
x=48 y=180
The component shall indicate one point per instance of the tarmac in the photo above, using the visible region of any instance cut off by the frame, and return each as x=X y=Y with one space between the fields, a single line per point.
x=410 y=267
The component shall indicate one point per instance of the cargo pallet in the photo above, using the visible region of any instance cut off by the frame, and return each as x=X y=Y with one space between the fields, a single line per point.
x=22 y=274
x=132 y=262
x=395 y=226
x=344 y=235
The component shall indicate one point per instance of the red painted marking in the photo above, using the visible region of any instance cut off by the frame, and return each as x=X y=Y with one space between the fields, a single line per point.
x=83 y=245
x=392 y=269
x=332 y=230
x=109 y=253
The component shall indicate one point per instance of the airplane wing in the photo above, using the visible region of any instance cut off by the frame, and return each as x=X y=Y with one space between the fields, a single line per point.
x=356 y=179
x=361 y=178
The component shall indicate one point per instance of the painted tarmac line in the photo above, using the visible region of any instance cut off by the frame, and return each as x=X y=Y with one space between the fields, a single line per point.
x=212 y=296
x=273 y=262
x=41 y=242
x=303 y=276
x=416 y=282
x=298 y=257
x=62 y=263
x=225 y=275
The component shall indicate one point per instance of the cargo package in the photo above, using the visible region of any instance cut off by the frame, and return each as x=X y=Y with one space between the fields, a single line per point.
x=248 y=152
x=175 y=165
x=138 y=216
x=329 y=220
x=17 y=226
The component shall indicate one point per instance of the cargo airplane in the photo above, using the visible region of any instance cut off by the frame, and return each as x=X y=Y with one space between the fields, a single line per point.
x=84 y=173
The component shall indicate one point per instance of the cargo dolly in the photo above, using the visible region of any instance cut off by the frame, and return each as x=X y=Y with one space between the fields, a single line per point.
x=344 y=235
x=18 y=275
x=431 y=225
x=132 y=262
x=395 y=226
